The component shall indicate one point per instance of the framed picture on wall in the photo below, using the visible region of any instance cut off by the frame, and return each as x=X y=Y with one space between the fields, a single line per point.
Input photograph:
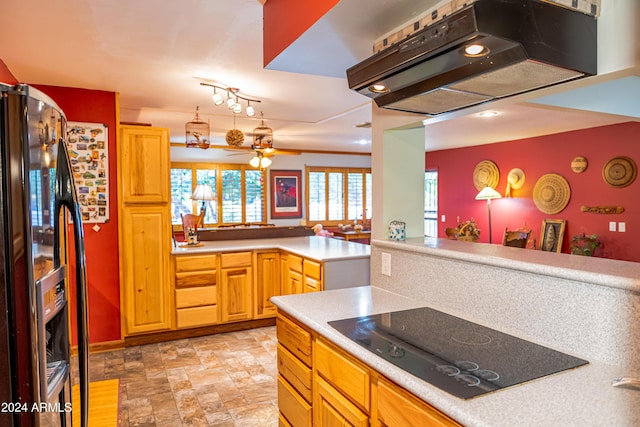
x=286 y=190
x=552 y=234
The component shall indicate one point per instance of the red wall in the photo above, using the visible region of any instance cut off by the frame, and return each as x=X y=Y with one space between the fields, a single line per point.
x=539 y=156
x=5 y=74
x=82 y=105
x=285 y=20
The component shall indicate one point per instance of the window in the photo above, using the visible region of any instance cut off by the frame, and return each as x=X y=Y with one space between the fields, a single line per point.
x=239 y=192
x=338 y=195
x=431 y=203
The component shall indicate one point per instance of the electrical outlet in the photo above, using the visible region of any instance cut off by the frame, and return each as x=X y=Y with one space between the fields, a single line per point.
x=386 y=264
x=622 y=227
x=612 y=226
x=443 y=218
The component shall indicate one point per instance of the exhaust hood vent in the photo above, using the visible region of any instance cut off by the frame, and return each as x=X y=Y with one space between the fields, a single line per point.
x=520 y=46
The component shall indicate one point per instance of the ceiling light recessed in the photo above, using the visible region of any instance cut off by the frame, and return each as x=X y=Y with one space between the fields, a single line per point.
x=488 y=114
x=378 y=89
x=475 y=50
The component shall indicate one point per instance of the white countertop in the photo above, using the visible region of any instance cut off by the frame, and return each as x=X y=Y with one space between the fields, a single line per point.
x=322 y=249
x=599 y=271
x=579 y=397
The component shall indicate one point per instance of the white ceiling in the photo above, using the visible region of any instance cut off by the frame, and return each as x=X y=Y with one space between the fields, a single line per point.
x=155 y=53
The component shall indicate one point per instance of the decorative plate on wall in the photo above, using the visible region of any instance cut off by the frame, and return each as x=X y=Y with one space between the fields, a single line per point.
x=486 y=174
x=579 y=164
x=551 y=193
x=620 y=172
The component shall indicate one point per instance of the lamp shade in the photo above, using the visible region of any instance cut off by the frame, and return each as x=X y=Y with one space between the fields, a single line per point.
x=488 y=193
x=203 y=192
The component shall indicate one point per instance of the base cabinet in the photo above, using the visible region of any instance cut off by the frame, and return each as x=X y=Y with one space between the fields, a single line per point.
x=236 y=284
x=196 y=290
x=345 y=392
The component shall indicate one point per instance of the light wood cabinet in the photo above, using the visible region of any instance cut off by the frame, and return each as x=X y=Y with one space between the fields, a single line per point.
x=144 y=229
x=294 y=372
x=344 y=391
x=196 y=290
x=331 y=408
x=312 y=276
x=397 y=407
x=144 y=164
x=267 y=283
x=236 y=284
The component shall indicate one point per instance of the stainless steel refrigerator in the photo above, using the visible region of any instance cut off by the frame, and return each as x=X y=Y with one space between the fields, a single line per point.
x=40 y=224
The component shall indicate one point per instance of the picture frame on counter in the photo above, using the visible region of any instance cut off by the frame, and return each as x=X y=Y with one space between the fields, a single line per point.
x=552 y=235
x=286 y=192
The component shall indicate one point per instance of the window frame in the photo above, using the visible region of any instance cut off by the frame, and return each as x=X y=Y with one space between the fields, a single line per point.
x=345 y=171
x=219 y=168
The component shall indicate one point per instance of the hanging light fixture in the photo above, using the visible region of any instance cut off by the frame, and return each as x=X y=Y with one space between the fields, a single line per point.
x=197 y=132
x=262 y=135
x=233 y=98
x=260 y=161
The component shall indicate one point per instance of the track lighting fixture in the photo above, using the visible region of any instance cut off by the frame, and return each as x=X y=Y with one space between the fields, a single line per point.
x=233 y=98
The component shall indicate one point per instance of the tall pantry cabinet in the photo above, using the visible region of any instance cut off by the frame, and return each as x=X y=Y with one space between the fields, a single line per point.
x=145 y=229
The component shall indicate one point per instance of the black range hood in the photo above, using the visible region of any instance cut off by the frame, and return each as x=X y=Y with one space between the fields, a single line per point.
x=524 y=45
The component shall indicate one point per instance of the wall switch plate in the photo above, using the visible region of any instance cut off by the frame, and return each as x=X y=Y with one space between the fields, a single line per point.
x=622 y=227
x=386 y=264
x=612 y=226
x=443 y=218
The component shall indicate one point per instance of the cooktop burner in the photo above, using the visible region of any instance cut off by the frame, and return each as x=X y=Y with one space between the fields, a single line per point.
x=458 y=356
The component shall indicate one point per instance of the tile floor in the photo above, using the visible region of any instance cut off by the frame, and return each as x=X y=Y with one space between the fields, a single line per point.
x=219 y=380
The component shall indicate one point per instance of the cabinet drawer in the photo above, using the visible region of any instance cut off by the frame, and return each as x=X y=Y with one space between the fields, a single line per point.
x=345 y=374
x=397 y=407
x=295 y=372
x=196 y=316
x=239 y=259
x=294 y=338
x=295 y=263
x=294 y=409
x=311 y=285
x=195 y=297
x=313 y=269
x=195 y=263
x=196 y=278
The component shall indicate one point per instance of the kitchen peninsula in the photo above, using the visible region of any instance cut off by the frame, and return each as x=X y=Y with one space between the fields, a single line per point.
x=585 y=307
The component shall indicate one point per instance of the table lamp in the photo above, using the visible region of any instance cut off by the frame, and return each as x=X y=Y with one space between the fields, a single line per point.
x=203 y=192
x=488 y=193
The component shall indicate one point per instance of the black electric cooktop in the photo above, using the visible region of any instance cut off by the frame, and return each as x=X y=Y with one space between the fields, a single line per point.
x=458 y=356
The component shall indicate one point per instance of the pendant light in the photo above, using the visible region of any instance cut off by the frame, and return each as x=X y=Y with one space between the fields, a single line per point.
x=262 y=135
x=197 y=132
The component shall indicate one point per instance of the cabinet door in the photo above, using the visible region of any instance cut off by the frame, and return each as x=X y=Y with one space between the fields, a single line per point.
x=397 y=407
x=236 y=284
x=330 y=408
x=296 y=282
x=284 y=274
x=144 y=164
x=146 y=246
x=267 y=283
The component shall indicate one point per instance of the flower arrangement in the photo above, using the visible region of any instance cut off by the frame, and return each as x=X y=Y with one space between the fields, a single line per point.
x=468 y=230
x=582 y=244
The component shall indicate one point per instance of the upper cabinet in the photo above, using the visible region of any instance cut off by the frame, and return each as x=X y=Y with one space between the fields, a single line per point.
x=144 y=160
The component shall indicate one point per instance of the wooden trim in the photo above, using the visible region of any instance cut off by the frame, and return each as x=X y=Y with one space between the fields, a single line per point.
x=289 y=150
x=100 y=347
x=153 y=338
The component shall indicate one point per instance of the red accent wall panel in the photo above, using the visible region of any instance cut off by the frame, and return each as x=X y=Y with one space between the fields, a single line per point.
x=103 y=279
x=539 y=156
x=285 y=20
x=5 y=74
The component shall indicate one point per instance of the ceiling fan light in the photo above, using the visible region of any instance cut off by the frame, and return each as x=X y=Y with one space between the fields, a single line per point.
x=255 y=162
x=265 y=162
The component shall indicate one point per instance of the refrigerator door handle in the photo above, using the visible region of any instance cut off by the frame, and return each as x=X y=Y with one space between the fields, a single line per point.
x=65 y=196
